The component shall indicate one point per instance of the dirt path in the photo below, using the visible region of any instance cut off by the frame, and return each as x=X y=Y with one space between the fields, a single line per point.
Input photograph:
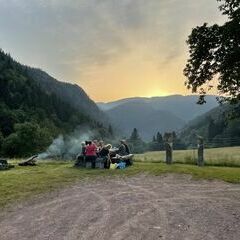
x=141 y=207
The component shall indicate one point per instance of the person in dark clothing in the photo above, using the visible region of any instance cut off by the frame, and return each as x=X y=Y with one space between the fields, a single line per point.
x=104 y=153
x=83 y=149
x=126 y=147
x=81 y=157
x=122 y=149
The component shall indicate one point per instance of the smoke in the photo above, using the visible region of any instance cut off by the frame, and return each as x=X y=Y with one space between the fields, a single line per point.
x=69 y=146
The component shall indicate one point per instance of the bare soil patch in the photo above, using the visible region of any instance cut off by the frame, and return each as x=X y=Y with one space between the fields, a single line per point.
x=141 y=207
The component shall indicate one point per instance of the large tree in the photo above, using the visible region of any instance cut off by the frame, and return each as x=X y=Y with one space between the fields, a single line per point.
x=215 y=54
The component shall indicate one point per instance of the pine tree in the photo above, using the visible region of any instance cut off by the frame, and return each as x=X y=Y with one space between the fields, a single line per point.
x=174 y=135
x=135 y=136
x=159 y=137
x=136 y=143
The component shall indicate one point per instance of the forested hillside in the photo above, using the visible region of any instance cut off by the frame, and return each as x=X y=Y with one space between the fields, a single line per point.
x=145 y=118
x=219 y=127
x=29 y=116
x=156 y=114
x=71 y=93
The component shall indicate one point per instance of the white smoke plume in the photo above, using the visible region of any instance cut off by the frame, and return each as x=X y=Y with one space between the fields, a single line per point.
x=68 y=147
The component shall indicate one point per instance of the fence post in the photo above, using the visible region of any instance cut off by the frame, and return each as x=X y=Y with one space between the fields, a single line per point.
x=200 y=160
x=169 y=148
x=169 y=151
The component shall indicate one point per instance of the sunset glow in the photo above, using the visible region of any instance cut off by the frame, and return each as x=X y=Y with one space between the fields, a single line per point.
x=112 y=49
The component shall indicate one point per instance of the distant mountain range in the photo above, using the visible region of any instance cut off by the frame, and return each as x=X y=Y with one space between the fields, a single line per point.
x=150 y=115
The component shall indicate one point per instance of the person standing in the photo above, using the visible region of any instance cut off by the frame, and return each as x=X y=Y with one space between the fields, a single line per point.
x=81 y=157
x=104 y=153
x=91 y=153
x=83 y=145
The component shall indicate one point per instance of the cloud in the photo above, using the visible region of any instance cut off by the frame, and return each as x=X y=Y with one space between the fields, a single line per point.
x=70 y=39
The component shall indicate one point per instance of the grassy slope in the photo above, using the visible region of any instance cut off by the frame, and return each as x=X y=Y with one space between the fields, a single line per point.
x=229 y=156
x=23 y=182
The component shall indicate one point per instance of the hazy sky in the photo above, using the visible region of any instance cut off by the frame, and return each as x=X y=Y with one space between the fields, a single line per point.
x=111 y=48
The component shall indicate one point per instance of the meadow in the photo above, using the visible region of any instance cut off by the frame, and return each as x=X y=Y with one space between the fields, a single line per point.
x=20 y=183
x=228 y=157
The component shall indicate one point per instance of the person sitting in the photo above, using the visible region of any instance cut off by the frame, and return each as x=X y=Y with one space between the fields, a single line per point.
x=122 y=149
x=126 y=147
x=124 y=153
x=91 y=153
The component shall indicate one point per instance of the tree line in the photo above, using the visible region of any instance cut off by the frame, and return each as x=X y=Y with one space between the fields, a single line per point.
x=137 y=145
x=30 y=118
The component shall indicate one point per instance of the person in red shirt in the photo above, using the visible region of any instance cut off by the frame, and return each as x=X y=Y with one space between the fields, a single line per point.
x=91 y=153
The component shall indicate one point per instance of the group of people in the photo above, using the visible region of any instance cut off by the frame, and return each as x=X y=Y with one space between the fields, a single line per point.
x=93 y=150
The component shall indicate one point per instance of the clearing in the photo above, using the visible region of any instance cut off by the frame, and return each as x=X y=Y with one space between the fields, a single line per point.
x=170 y=206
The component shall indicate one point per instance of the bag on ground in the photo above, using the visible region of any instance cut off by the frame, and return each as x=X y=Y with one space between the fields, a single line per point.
x=113 y=166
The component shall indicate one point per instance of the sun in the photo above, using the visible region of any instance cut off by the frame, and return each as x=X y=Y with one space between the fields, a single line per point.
x=156 y=93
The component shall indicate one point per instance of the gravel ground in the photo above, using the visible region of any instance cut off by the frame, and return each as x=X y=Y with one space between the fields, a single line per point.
x=141 y=207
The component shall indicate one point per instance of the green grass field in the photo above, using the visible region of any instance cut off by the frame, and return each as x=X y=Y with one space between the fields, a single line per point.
x=229 y=157
x=23 y=182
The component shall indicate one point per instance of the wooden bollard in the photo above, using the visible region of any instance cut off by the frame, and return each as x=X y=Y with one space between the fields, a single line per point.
x=200 y=160
x=168 y=137
x=169 y=151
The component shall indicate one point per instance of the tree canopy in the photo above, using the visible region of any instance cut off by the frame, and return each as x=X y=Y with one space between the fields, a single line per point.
x=30 y=116
x=215 y=54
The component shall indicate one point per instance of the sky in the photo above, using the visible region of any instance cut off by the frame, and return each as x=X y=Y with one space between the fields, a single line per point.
x=113 y=49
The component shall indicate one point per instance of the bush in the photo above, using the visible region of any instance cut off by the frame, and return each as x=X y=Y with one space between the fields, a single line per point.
x=27 y=139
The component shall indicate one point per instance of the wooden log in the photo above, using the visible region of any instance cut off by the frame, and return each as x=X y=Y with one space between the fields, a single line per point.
x=29 y=162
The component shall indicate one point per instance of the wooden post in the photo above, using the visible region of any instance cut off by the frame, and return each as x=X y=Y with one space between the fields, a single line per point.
x=200 y=160
x=169 y=147
x=168 y=153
